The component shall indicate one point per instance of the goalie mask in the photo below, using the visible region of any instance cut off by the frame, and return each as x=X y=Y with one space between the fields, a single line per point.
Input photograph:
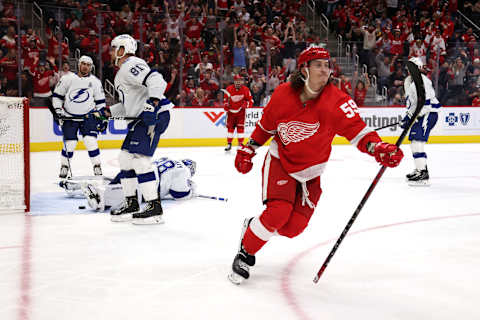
x=127 y=42
x=192 y=165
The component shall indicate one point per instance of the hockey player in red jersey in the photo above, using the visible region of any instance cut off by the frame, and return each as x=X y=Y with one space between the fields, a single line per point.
x=303 y=116
x=237 y=98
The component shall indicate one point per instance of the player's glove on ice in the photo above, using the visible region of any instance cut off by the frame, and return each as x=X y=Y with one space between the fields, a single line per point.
x=243 y=160
x=387 y=154
x=405 y=122
x=149 y=113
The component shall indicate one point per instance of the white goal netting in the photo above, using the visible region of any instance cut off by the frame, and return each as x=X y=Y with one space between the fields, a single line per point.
x=14 y=157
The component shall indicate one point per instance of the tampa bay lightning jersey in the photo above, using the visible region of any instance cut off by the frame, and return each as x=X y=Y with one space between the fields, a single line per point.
x=175 y=178
x=431 y=102
x=135 y=82
x=78 y=95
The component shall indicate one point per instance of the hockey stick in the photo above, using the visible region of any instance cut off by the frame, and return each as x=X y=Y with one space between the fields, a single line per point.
x=109 y=118
x=387 y=126
x=417 y=79
x=68 y=157
x=211 y=197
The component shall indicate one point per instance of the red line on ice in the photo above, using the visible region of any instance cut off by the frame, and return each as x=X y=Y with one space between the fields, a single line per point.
x=24 y=302
x=287 y=271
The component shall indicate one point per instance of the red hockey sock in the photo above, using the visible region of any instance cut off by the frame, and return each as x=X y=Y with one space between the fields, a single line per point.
x=251 y=243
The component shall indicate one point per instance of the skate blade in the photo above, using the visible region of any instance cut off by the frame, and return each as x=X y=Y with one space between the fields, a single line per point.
x=121 y=218
x=149 y=220
x=235 y=278
x=419 y=183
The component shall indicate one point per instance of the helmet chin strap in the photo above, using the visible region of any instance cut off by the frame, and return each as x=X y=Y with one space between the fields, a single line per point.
x=310 y=90
x=117 y=57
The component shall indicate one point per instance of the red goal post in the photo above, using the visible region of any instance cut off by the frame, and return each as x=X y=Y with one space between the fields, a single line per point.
x=14 y=155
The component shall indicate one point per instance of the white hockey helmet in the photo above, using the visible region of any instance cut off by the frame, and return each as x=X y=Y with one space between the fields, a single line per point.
x=417 y=61
x=192 y=165
x=127 y=42
x=87 y=60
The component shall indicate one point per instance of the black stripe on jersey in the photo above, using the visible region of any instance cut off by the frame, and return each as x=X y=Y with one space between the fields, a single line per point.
x=144 y=82
x=56 y=95
x=100 y=101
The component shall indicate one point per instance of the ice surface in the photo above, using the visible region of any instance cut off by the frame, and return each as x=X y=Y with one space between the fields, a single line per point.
x=413 y=253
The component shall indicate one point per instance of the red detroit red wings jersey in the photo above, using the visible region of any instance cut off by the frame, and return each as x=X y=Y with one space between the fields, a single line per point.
x=303 y=133
x=235 y=100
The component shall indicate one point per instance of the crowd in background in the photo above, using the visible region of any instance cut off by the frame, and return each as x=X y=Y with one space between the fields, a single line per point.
x=200 y=45
x=386 y=37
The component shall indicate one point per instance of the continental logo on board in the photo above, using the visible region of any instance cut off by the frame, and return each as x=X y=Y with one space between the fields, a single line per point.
x=377 y=122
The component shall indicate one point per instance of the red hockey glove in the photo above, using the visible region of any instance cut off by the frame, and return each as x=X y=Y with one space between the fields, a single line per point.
x=387 y=154
x=243 y=160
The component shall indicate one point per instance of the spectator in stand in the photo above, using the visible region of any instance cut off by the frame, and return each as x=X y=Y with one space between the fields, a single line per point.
x=204 y=65
x=239 y=52
x=395 y=81
x=209 y=85
x=369 y=43
x=289 y=48
x=65 y=69
x=345 y=85
x=257 y=95
x=258 y=80
x=253 y=53
x=437 y=44
x=396 y=40
x=273 y=80
x=457 y=74
x=418 y=49
x=384 y=70
x=27 y=84
x=30 y=54
x=43 y=80
x=200 y=99
x=383 y=42
x=361 y=89
x=476 y=97
x=9 y=66
x=8 y=41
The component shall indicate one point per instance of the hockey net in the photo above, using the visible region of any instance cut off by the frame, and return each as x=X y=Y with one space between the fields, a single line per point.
x=14 y=155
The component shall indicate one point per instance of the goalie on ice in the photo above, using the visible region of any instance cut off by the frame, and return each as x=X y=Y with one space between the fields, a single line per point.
x=175 y=178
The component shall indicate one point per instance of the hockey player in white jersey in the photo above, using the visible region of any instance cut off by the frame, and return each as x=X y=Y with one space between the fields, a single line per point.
x=175 y=183
x=80 y=96
x=141 y=94
x=420 y=131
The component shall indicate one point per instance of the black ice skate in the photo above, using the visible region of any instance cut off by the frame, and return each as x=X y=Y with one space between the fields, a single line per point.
x=243 y=260
x=412 y=174
x=63 y=172
x=151 y=215
x=420 y=179
x=124 y=213
x=229 y=147
x=97 y=170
